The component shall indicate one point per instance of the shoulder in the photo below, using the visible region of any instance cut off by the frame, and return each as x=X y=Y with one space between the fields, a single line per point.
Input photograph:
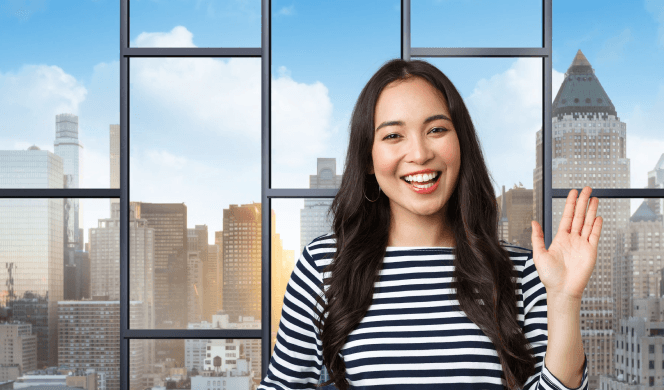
x=320 y=251
x=522 y=258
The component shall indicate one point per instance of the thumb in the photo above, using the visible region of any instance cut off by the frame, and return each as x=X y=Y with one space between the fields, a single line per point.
x=537 y=238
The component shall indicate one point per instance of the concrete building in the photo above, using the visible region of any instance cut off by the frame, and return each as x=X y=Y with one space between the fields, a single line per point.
x=10 y=372
x=89 y=338
x=516 y=206
x=238 y=378
x=18 y=346
x=31 y=246
x=589 y=146
x=639 y=348
x=196 y=350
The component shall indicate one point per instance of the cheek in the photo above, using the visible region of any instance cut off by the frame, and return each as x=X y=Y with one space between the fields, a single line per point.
x=451 y=153
x=383 y=161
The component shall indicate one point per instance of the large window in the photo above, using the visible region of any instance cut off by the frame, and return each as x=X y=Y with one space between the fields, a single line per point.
x=161 y=174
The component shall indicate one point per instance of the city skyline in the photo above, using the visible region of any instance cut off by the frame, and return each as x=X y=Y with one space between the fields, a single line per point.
x=195 y=165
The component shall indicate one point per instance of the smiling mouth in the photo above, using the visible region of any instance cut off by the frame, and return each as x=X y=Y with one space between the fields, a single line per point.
x=423 y=183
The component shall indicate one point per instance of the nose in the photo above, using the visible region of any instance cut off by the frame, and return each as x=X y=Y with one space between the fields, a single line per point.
x=419 y=151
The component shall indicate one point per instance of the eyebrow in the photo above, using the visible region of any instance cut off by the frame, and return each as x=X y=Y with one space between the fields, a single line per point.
x=400 y=123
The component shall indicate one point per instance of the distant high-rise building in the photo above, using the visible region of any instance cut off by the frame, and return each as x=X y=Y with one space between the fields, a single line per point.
x=219 y=242
x=195 y=289
x=210 y=303
x=169 y=221
x=114 y=131
x=18 y=346
x=516 y=206
x=77 y=277
x=656 y=180
x=589 y=146
x=638 y=259
x=31 y=246
x=105 y=261
x=314 y=220
x=68 y=147
x=242 y=261
x=215 y=269
x=85 y=344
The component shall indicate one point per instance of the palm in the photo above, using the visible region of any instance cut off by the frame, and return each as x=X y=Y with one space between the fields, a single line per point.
x=566 y=266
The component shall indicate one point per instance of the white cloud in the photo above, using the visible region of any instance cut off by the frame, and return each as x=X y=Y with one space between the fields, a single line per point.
x=179 y=36
x=507 y=112
x=30 y=99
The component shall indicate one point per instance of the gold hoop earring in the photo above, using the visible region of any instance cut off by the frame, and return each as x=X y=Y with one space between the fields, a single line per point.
x=365 y=196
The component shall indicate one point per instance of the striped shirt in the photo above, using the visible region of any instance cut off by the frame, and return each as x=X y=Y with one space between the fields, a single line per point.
x=414 y=335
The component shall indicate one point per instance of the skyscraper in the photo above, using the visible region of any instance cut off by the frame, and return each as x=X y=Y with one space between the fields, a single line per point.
x=589 y=145
x=169 y=221
x=105 y=261
x=195 y=290
x=242 y=261
x=68 y=147
x=314 y=221
x=517 y=204
x=31 y=246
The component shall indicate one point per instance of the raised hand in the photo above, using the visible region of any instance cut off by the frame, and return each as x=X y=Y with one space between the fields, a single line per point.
x=566 y=266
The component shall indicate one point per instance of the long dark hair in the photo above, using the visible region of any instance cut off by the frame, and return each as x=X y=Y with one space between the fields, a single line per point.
x=482 y=267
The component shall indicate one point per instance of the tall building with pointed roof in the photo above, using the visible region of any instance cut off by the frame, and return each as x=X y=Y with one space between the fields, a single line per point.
x=589 y=149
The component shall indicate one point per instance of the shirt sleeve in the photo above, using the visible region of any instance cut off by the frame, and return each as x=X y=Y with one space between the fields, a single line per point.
x=297 y=358
x=535 y=329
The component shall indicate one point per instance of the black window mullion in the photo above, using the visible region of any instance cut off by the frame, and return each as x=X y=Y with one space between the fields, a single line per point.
x=124 y=196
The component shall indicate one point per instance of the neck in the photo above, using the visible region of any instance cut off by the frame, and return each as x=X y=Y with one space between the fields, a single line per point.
x=420 y=230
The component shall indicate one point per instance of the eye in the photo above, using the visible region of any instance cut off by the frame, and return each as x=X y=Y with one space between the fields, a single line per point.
x=442 y=129
x=389 y=136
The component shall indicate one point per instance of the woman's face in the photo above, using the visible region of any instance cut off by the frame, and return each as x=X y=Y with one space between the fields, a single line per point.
x=414 y=133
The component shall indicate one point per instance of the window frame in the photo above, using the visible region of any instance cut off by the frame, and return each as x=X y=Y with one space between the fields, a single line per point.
x=267 y=193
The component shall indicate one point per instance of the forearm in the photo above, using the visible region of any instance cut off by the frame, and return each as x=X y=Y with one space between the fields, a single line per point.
x=564 y=352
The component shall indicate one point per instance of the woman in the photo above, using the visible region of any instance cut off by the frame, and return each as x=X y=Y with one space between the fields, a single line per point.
x=413 y=286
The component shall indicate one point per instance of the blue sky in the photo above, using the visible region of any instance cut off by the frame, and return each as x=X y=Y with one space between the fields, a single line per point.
x=196 y=122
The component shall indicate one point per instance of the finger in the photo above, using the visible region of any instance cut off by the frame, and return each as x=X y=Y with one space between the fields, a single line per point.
x=597 y=229
x=590 y=218
x=580 y=212
x=537 y=239
x=568 y=213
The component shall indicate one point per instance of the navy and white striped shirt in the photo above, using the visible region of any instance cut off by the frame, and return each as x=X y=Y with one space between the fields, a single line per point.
x=414 y=334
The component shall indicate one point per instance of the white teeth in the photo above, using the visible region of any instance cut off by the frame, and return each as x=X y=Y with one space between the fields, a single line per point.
x=422 y=187
x=421 y=178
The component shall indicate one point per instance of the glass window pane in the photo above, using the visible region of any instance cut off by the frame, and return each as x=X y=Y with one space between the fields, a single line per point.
x=60 y=98
x=626 y=283
x=192 y=363
x=195 y=183
x=295 y=224
x=195 y=23
x=503 y=97
x=607 y=113
x=462 y=23
x=319 y=66
x=59 y=291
